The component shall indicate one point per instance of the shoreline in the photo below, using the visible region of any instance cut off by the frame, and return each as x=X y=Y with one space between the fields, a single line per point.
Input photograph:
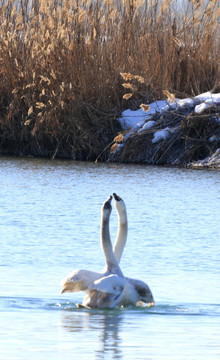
x=211 y=162
x=182 y=133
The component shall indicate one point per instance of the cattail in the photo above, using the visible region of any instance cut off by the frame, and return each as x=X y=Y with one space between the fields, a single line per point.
x=27 y=122
x=28 y=86
x=127 y=76
x=140 y=79
x=129 y=86
x=30 y=111
x=170 y=97
x=114 y=148
x=44 y=78
x=145 y=107
x=119 y=138
x=127 y=96
x=40 y=105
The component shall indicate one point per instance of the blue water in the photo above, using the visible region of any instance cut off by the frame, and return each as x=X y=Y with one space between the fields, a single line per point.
x=49 y=226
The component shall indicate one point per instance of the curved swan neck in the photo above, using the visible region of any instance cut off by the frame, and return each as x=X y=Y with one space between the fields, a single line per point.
x=111 y=262
x=106 y=241
x=121 y=237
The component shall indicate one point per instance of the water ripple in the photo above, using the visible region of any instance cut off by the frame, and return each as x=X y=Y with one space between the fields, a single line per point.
x=186 y=309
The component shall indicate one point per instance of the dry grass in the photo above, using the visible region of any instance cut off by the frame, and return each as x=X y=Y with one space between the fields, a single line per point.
x=65 y=66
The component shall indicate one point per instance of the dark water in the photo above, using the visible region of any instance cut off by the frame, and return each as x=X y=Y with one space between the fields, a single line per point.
x=49 y=226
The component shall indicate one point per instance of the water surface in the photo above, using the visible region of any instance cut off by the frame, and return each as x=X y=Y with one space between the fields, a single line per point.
x=49 y=226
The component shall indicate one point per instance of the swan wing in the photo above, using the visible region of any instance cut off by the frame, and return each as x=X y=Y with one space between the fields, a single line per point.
x=108 y=284
x=79 y=280
x=105 y=292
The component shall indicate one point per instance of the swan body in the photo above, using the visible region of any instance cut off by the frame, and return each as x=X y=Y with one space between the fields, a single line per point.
x=105 y=292
x=134 y=290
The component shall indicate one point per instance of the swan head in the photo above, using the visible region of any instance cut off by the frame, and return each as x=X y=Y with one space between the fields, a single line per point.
x=107 y=208
x=144 y=293
x=138 y=293
x=121 y=208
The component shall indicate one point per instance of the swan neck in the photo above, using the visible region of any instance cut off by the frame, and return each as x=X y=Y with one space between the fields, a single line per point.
x=121 y=237
x=105 y=239
x=111 y=263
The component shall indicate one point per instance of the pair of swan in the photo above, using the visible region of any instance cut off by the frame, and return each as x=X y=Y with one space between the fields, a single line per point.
x=109 y=288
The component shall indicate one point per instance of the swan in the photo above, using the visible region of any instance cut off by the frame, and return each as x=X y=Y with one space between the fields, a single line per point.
x=135 y=291
x=106 y=291
x=79 y=280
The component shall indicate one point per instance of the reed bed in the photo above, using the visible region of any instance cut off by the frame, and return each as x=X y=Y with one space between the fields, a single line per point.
x=68 y=67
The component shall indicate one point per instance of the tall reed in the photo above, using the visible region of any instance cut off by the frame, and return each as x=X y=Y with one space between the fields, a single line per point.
x=63 y=66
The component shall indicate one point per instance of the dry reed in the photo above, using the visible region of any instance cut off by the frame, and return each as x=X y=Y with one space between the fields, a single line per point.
x=66 y=65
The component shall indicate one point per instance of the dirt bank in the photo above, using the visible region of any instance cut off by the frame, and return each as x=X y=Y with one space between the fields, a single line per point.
x=175 y=137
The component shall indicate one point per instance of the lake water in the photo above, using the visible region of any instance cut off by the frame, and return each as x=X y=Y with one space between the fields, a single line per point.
x=49 y=226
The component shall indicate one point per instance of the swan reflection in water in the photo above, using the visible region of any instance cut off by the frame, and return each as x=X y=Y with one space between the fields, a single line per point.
x=103 y=331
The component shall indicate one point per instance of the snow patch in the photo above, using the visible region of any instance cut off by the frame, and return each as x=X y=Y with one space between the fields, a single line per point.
x=161 y=135
x=147 y=125
x=139 y=120
x=135 y=119
x=208 y=99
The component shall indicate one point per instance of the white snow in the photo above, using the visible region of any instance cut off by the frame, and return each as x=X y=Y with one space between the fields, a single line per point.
x=187 y=101
x=161 y=135
x=201 y=107
x=208 y=99
x=139 y=120
x=149 y=124
x=135 y=119
x=215 y=98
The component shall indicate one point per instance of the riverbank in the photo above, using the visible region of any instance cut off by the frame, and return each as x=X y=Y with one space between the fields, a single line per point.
x=68 y=71
x=175 y=132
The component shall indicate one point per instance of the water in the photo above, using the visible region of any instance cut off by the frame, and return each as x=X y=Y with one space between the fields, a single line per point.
x=49 y=226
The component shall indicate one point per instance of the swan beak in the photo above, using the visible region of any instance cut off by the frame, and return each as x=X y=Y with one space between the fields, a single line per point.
x=109 y=198
x=116 y=197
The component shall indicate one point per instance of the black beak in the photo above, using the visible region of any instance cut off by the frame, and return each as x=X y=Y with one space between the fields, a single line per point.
x=116 y=197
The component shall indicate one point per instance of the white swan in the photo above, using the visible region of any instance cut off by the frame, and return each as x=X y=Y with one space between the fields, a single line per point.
x=108 y=290
x=134 y=291
x=79 y=280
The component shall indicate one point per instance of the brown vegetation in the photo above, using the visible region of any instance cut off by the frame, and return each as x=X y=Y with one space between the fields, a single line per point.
x=60 y=64
x=191 y=137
